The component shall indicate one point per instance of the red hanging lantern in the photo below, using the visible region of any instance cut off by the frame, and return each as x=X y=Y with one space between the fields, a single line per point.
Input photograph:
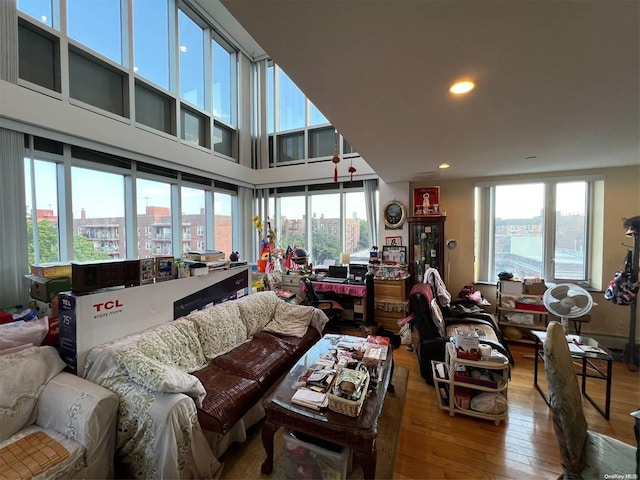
x=336 y=161
x=352 y=170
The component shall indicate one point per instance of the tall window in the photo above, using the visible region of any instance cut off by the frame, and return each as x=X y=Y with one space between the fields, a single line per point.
x=356 y=227
x=223 y=82
x=98 y=214
x=193 y=217
x=223 y=226
x=292 y=222
x=151 y=40
x=42 y=211
x=154 y=214
x=326 y=231
x=97 y=25
x=534 y=230
x=191 y=50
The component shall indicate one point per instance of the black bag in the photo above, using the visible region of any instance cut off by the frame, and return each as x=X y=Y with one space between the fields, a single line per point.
x=623 y=289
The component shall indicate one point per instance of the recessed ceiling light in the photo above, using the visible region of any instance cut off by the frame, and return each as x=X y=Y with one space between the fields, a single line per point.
x=444 y=165
x=462 y=87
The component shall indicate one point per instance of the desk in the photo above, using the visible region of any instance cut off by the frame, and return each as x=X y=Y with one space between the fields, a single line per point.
x=358 y=291
x=587 y=360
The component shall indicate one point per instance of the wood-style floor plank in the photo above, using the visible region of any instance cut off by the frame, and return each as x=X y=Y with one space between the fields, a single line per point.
x=433 y=444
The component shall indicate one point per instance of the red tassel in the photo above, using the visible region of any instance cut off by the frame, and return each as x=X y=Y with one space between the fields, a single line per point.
x=335 y=174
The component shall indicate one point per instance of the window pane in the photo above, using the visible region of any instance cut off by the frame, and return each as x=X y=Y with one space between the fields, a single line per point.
x=223 y=227
x=322 y=142
x=98 y=215
x=41 y=10
x=151 y=40
x=519 y=229
x=315 y=116
x=223 y=140
x=38 y=58
x=96 y=24
x=293 y=229
x=571 y=231
x=270 y=106
x=46 y=212
x=154 y=217
x=357 y=227
x=93 y=83
x=193 y=219
x=191 y=50
x=193 y=127
x=325 y=228
x=290 y=147
x=153 y=109
x=223 y=63
x=291 y=100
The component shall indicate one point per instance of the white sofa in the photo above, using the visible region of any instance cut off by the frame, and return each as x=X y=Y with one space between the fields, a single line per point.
x=37 y=398
x=190 y=387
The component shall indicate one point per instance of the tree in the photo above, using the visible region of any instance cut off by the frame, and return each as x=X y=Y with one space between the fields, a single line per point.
x=325 y=246
x=83 y=249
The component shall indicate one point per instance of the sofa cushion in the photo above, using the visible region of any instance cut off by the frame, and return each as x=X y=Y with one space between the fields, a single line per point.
x=296 y=345
x=228 y=398
x=173 y=343
x=220 y=328
x=289 y=319
x=23 y=376
x=263 y=359
x=257 y=310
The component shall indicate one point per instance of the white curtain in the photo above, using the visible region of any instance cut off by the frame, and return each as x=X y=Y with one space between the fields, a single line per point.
x=370 y=189
x=14 y=258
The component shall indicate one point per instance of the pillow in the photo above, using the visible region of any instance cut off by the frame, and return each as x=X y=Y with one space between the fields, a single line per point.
x=23 y=376
x=291 y=320
x=160 y=377
x=220 y=328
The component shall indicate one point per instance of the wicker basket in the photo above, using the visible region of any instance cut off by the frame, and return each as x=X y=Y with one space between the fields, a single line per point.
x=351 y=408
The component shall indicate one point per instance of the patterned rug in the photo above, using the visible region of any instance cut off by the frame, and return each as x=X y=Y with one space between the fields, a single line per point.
x=243 y=461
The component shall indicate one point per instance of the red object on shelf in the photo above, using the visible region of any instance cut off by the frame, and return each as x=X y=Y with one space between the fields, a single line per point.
x=530 y=306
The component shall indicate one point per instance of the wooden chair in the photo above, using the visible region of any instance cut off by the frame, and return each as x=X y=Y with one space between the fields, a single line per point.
x=585 y=454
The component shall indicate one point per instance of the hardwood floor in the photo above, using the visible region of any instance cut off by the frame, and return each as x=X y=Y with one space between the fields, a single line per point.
x=433 y=444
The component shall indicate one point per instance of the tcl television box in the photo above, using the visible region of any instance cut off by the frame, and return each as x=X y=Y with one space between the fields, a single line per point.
x=91 y=319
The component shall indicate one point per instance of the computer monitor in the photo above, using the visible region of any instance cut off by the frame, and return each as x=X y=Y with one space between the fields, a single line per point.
x=338 y=271
x=357 y=272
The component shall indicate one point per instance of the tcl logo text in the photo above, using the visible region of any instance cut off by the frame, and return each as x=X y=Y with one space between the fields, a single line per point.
x=111 y=304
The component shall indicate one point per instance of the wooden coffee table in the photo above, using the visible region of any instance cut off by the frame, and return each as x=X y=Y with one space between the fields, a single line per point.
x=358 y=433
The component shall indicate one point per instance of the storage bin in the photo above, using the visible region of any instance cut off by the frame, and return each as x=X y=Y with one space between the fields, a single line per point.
x=311 y=458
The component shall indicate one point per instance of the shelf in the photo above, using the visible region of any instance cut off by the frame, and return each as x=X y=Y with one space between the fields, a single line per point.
x=446 y=385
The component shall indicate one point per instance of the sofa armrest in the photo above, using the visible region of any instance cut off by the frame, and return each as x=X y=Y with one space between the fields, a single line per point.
x=81 y=410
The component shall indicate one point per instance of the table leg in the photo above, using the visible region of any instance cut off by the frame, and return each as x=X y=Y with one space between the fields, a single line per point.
x=368 y=462
x=268 y=431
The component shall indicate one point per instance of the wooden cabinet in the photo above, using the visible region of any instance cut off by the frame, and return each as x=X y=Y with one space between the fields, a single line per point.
x=390 y=302
x=426 y=246
x=519 y=313
x=453 y=388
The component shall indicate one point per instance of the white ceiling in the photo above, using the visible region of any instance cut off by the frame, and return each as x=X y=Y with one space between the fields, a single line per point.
x=556 y=80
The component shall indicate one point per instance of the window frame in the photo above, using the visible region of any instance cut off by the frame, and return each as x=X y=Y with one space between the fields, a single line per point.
x=485 y=228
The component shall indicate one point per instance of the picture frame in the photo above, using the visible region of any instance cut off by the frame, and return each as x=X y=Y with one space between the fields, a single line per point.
x=393 y=241
x=426 y=202
x=394 y=214
x=395 y=254
x=165 y=268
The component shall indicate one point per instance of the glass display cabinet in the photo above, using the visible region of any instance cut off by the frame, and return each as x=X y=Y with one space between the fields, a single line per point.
x=426 y=246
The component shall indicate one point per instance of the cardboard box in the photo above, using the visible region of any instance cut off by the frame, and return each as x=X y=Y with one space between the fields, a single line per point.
x=534 y=287
x=44 y=289
x=91 y=319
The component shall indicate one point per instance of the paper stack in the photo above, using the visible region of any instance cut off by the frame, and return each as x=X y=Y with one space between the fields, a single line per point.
x=309 y=398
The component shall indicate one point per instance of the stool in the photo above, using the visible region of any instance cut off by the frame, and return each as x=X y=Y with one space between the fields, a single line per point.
x=578 y=321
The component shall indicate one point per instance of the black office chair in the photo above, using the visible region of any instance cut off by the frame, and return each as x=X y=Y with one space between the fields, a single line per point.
x=331 y=308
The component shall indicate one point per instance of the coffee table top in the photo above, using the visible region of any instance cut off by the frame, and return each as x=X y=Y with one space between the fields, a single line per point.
x=281 y=397
x=579 y=345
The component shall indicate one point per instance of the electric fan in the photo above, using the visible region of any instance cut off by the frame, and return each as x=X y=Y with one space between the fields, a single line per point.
x=566 y=301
